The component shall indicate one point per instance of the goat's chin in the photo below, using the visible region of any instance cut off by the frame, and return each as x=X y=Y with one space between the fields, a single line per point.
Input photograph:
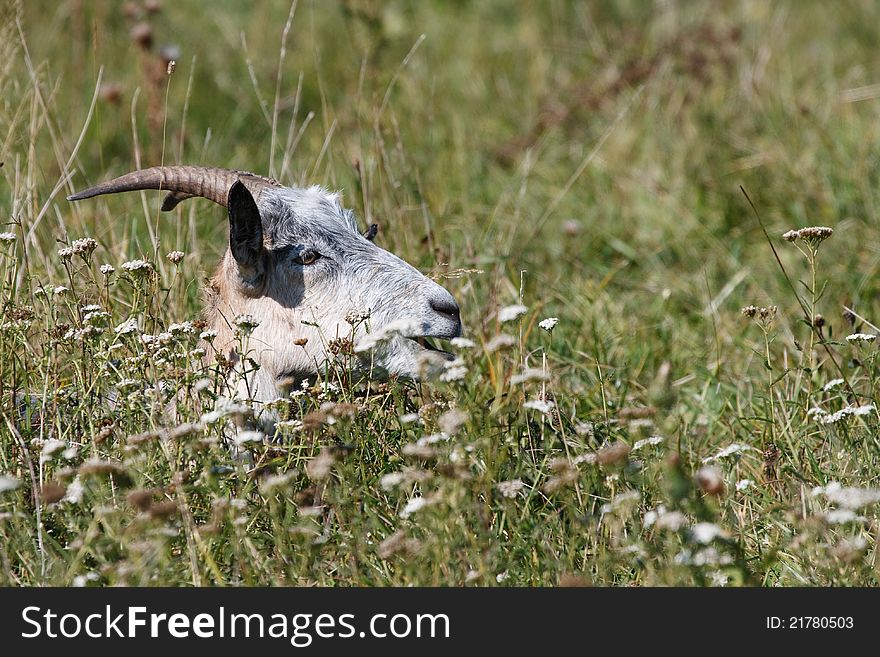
x=404 y=358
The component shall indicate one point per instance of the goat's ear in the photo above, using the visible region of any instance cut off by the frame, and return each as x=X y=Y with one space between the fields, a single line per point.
x=245 y=229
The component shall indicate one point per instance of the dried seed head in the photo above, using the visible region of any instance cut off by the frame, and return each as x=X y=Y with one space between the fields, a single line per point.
x=52 y=492
x=141 y=499
x=319 y=467
x=163 y=510
x=301 y=342
x=749 y=311
x=142 y=34
x=613 y=454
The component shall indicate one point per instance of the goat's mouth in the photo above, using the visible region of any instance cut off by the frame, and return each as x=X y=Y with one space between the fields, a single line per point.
x=424 y=342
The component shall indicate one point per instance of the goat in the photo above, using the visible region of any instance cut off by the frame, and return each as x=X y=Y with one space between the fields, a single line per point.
x=298 y=265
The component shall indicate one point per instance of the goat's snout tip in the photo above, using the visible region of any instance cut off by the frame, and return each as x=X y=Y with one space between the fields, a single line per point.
x=446 y=307
x=449 y=310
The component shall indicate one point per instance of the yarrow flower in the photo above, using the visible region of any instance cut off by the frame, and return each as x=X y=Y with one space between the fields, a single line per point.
x=128 y=326
x=549 y=324
x=848 y=498
x=65 y=253
x=139 y=266
x=106 y=269
x=762 y=313
x=355 y=317
x=813 y=236
x=7 y=237
x=861 y=337
x=500 y=342
x=510 y=313
x=84 y=247
x=176 y=257
x=246 y=323
x=733 y=448
x=831 y=385
x=823 y=417
x=510 y=488
x=539 y=405
x=653 y=440
x=415 y=504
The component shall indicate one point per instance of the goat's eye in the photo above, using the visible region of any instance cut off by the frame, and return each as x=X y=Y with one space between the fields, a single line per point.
x=307 y=257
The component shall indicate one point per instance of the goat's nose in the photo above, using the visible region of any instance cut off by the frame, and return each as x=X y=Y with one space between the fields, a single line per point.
x=447 y=307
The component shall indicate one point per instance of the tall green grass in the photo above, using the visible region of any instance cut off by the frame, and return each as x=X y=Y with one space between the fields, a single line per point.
x=583 y=160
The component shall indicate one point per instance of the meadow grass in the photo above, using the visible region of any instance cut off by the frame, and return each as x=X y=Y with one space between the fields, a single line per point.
x=697 y=416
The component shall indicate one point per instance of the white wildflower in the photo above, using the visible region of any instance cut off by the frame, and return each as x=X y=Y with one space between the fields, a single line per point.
x=510 y=488
x=589 y=457
x=733 y=448
x=140 y=266
x=456 y=373
x=706 y=532
x=861 y=337
x=60 y=289
x=452 y=421
x=8 y=483
x=529 y=374
x=841 y=516
x=128 y=326
x=75 y=491
x=415 y=504
x=175 y=257
x=843 y=413
x=392 y=480
x=621 y=501
x=355 y=317
x=245 y=438
x=50 y=449
x=549 y=324
x=500 y=342
x=65 y=253
x=182 y=327
x=664 y=519
x=7 y=237
x=540 y=405
x=106 y=269
x=510 y=313
x=652 y=440
x=84 y=246
x=208 y=335
x=462 y=343
x=848 y=498
x=225 y=408
x=82 y=580
x=831 y=385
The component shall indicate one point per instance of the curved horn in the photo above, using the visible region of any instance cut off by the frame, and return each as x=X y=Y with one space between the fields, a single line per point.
x=182 y=182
